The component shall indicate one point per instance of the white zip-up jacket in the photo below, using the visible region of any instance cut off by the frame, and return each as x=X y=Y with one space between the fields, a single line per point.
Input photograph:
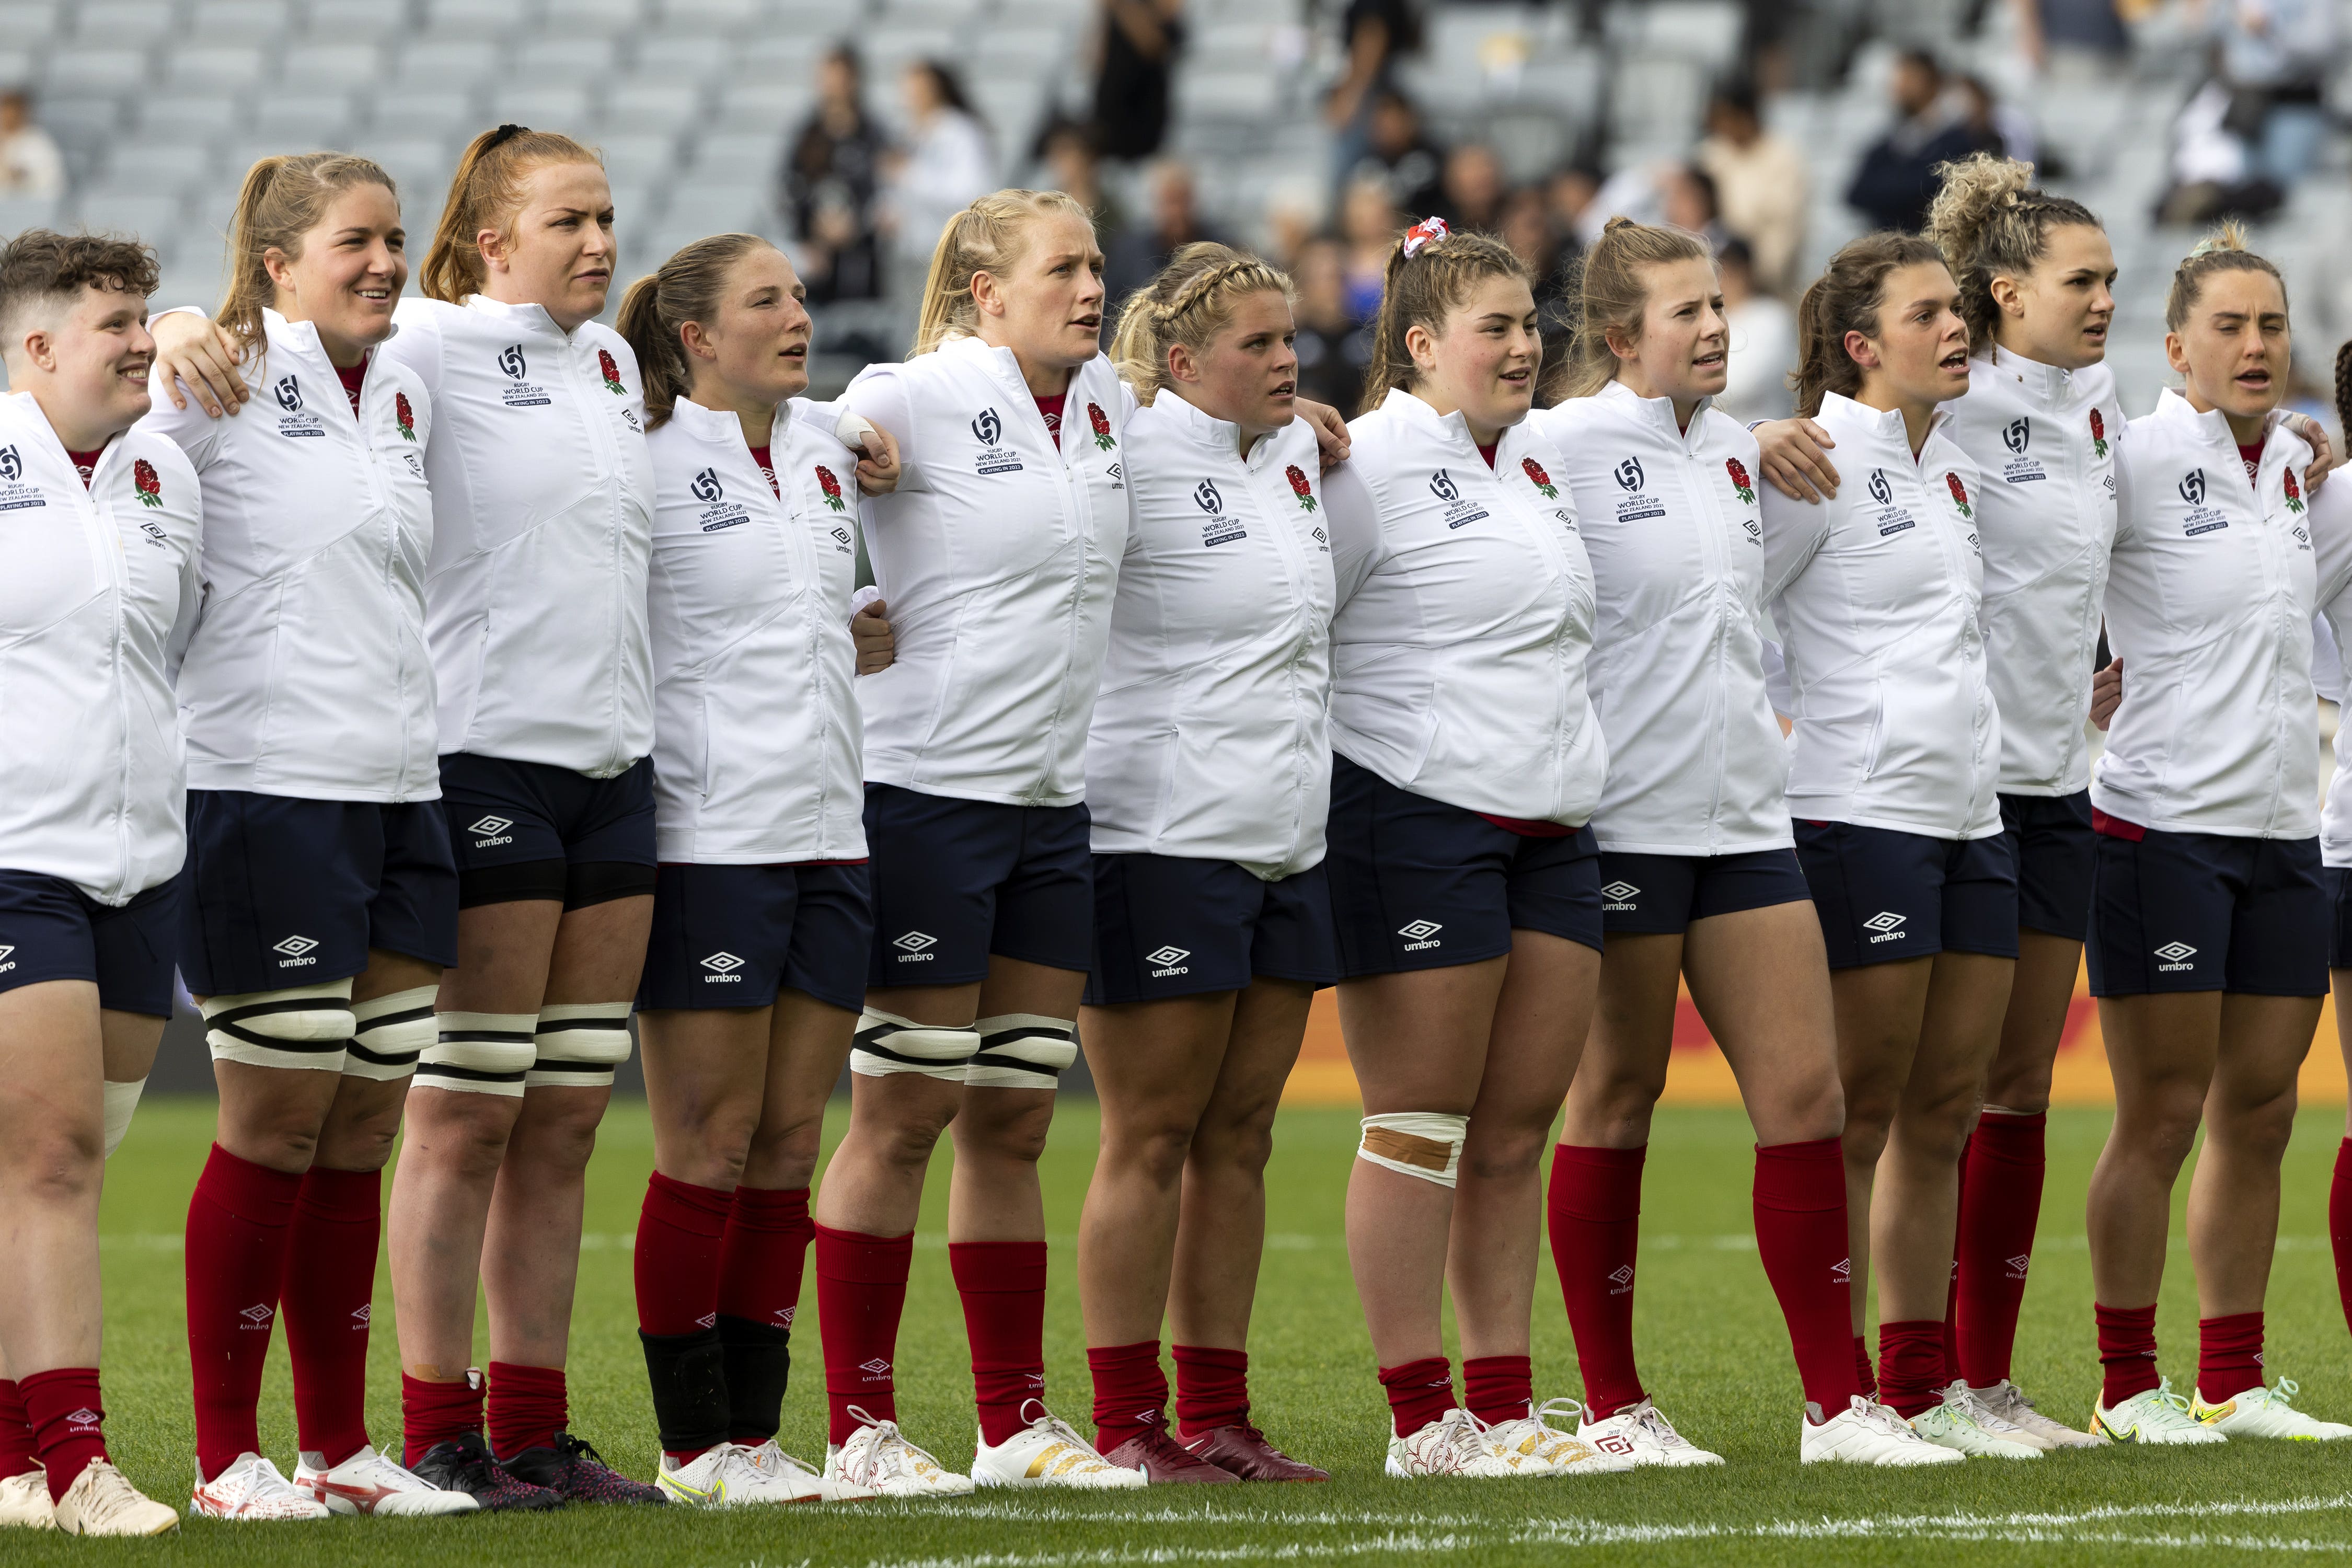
x=755 y=723
x=2329 y=520
x=1876 y=593
x=1211 y=739
x=2043 y=441
x=98 y=589
x=307 y=673
x=542 y=518
x=2209 y=600
x=998 y=555
x=1670 y=520
x=1465 y=618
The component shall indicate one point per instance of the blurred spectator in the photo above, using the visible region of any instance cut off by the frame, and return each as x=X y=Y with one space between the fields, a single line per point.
x=945 y=163
x=1141 y=39
x=1526 y=227
x=1176 y=221
x=1570 y=195
x=1369 y=224
x=1761 y=185
x=1374 y=33
x=2072 y=40
x=1995 y=126
x=1686 y=199
x=1334 y=347
x=1066 y=151
x=2213 y=171
x=1763 y=342
x=2275 y=55
x=30 y=165
x=1896 y=179
x=1396 y=153
x=1471 y=195
x=829 y=182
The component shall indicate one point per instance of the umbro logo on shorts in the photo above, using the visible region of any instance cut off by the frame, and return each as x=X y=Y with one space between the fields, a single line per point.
x=492 y=829
x=1171 y=960
x=1621 y=895
x=911 y=946
x=2176 y=956
x=722 y=966
x=1885 y=924
x=1419 y=934
x=297 y=950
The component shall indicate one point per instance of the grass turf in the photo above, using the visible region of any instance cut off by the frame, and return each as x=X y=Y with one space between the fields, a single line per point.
x=1715 y=1357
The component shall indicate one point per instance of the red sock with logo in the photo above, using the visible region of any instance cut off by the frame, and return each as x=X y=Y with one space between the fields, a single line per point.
x=526 y=1408
x=2339 y=1225
x=67 y=1418
x=328 y=1303
x=1002 y=1284
x=1594 y=1208
x=2126 y=1352
x=1910 y=1365
x=1498 y=1388
x=2229 y=1356
x=764 y=1255
x=1419 y=1392
x=432 y=1412
x=1212 y=1389
x=861 y=1289
x=2000 y=1205
x=239 y=1222
x=1864 y=1374
x=15 y=1433
x=680 y=1227
x=1131 y=1392
x=1799 y=1201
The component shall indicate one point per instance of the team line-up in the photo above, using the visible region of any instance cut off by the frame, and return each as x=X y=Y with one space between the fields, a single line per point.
x=433 y=681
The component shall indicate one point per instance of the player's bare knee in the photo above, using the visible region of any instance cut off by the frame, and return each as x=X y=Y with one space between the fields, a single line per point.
x=1506 y=1154
x=783 y=1155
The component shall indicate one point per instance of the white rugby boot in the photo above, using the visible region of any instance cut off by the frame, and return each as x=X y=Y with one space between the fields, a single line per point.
x=877 y=1459
x=1954 y=1422
x=775 y=1463
x=2153 y=1415
x=1641 y=1435
x=253 y=1489
x=1867 y=1433
x=1048 y=1452
x=25 y=1502
x=374 y=1483
x=102 y=1501
x=2261 y=1412
x=725 y=1476
x=2006 y=1400
x=1456 y=1445
x=1568 y=1454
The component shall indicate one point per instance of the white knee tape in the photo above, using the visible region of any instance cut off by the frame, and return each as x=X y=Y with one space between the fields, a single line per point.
x=886 y=1043
x=390 y=1034
x=1022 y=1050
x=121 y=1099
x=302 y=1027
x=478 y=1053
x=1424 y=1143
x=580 y=1043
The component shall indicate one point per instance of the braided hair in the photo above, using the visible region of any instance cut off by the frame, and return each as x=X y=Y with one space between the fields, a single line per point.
x=2344 y=388
x=1993 y=222
x=1189 y=302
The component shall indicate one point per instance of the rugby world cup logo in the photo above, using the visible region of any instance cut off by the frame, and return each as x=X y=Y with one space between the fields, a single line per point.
x=2018 y=435
x=706 y=486
x=1629 y=474
x=988 y=426
x=2192 y=486
x=12 y=467
x=289 y=394
x=1441 y=485
x=1205 y=497
x=510 y=361
x=1880 y=490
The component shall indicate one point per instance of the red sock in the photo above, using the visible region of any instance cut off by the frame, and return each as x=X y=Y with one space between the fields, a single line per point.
x=1131 y=1392
x=2127 y=1351
x=2339 y=1225
x=861 y=1289
x=1498 y=1388
x=760 y=1262
x=434 y=1413
x=1910 y=1364
x=1212 y=1389
x=2229 y=1356
x=677 y=1257
x=1595 y=1211
x=1801 y=1235
x=526 y=1408
x=1002 y=1284
x=1419 y=1392
x=1864 y=1374
x=239 y=1222
x=67 y=1417
x=15 y=1433
x=327 y=1301
x=2000 y=1204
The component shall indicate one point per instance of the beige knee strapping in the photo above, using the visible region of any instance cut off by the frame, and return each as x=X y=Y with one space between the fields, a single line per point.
x=886 y=1044
x=479 y=1053
x=1423 y=1143
x=579 y=1045
x=307 y=1026
x=121 y=1099
x=390 y=1034
x=1022 y=1050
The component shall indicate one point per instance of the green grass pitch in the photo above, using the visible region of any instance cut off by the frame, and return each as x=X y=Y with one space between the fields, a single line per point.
x=1714 y=1351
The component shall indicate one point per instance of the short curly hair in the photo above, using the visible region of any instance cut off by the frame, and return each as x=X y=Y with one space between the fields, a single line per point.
x=41 y=265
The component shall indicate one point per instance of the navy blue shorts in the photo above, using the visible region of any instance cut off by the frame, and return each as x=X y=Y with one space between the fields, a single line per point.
x=956 y=880
x=729 y=936
x=2051 y=836
x=1419 y=884
x=51 y=930
x=533 y=830
x=2338 y=881
x=1884 y=895
x=2203 y=911
x=1169 y=926
x=1660 y=894
x=294 y=893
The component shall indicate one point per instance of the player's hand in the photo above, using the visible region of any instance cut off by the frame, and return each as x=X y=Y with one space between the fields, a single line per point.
x=878 y=466
x=2106 y=694
x=869 y=628
x=1332 y=442
x=1791 y=452
x=2323 y=452
x=194 y=353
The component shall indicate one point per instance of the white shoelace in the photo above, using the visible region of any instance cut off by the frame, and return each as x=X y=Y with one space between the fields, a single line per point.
x=1462 y=1436
x=111 y=1495
x=1649 y=1419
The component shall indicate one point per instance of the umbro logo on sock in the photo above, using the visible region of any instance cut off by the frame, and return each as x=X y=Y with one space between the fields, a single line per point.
x=1622 y=1277
x=258 y=1316
x=83 y=1420
x=878 y=1367
x=1843 y=1272
x=361 y=1316
x=785 y=1313
x=708 y=1320
x=2019 y=1264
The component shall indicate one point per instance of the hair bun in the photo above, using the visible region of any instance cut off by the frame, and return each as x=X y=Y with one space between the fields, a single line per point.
x=1423 y=233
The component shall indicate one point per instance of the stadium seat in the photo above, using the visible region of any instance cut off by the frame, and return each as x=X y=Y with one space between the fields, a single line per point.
x=240 y=21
